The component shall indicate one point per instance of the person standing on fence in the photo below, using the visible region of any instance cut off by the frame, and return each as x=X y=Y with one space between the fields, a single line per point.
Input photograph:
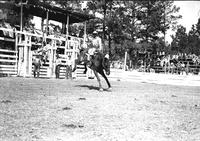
x=68 y=74
x=58 y=64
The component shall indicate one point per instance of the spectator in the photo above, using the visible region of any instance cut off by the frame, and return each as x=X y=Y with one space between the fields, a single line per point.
x=37 y=64
x=172 y=68
x=68 y=68
x=58 y=64
x=182 y=68
x=187 y=68
x=167 y=67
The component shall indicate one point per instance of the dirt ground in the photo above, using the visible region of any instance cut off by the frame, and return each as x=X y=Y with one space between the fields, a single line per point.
x=74 y=110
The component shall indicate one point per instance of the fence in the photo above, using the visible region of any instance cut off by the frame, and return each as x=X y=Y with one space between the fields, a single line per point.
x=8 y=62
x=21 y=58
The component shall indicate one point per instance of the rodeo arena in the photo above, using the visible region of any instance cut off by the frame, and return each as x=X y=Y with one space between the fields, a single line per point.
x=47 y=95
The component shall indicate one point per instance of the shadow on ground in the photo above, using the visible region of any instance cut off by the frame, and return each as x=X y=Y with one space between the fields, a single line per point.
x=88 y=86
x=91 y=87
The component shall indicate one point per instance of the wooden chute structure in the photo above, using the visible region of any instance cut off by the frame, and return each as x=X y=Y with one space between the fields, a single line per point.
x=48 y=12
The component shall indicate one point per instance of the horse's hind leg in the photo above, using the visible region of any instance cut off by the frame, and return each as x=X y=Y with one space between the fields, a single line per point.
x=34 y=71
x=99 y=81
x=104 y=76
x=38 y=72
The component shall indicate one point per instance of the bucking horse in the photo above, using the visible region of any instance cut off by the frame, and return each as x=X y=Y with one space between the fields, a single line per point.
x=99 y=63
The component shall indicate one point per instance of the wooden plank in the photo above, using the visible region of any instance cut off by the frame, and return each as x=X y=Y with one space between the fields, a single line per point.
x=42 y=68
x=61 y=47
x=8 y=69
x=8 y=72
x=7 y=66
x=36 y=44
x=10 y=56
x=7 y=39
x=5 y=50
x=37 y=35
x=6 y=60
x=7 y=29
x=27 y=33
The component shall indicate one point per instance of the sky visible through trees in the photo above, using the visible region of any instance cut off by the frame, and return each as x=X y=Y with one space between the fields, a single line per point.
x=190 y=11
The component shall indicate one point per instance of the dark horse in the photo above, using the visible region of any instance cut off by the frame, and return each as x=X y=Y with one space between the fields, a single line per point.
x=98 y=63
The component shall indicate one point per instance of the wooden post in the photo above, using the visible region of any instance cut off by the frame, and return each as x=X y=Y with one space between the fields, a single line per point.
x=49 y=69
x=29 y=57
x=16 y=49
x=67 y=31
x=21 y=17
x=84 y=38
x=67 y=41
x=47 y=23
x=25 y=57
x=21 y=21
x=67 y=25
x=51 y=59
x=125 y=60
x=67 y=34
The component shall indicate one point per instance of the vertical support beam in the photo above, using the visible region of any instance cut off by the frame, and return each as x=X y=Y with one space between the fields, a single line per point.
x=51 y=58
x=54 y=59
x=25 y=56
x=21 y=21
x=29 y=57
x=125 y=60
x=84 y=38
x=21 y=17
x=47 y=23
x=67 y=32
x=49 y=70
x=16 y=49
x=73 y=53
x=67 y=36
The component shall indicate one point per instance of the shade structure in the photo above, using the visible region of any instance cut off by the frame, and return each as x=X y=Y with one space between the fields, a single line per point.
x=55 y=13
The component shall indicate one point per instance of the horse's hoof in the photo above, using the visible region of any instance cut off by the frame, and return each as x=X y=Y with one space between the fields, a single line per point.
x=109 y=89
x=101 y=89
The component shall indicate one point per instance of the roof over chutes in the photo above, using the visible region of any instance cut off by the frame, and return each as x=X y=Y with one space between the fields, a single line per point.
x=55 y=13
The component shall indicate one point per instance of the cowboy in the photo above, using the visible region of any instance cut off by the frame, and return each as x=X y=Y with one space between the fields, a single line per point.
x=94 y=47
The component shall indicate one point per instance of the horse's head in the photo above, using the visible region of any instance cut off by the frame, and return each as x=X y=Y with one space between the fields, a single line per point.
x=106 y=64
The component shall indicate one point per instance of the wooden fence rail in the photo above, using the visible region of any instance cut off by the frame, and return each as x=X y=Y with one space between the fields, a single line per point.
x=8 y=62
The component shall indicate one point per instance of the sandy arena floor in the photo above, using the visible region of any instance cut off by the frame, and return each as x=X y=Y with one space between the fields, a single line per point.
x=74 y=110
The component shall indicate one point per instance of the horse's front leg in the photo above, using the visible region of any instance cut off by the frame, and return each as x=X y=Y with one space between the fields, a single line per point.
x=34 y=71
x=104 y=76
x=98 y=79
x=38 y=72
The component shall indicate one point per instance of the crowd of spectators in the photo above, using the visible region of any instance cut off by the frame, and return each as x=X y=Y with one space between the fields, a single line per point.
x=168 y=64
x=174 y=64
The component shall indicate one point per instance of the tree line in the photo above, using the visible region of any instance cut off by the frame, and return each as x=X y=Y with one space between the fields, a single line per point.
x=188 y=43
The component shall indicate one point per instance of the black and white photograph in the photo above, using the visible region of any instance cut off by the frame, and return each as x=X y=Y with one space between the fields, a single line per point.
x=99 y=70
